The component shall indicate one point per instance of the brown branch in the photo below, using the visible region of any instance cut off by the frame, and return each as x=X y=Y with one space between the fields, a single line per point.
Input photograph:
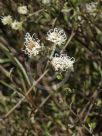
x=24 y=97
x=68 y=41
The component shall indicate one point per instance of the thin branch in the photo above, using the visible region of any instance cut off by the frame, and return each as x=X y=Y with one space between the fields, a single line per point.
x=24 y=97
x=32 y=14
x=45 y=100
x=68 y=41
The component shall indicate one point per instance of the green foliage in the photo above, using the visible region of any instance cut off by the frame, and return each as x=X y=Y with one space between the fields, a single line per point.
x=67 y=103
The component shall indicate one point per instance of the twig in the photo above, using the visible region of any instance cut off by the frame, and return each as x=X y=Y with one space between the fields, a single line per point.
x=23 y=98
x=32 y=14
x=68 y=41
x=91 y=105
x=45 y=100
x=52 y=53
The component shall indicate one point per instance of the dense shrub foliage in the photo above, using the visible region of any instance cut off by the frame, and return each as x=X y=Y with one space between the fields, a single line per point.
x=50 y=68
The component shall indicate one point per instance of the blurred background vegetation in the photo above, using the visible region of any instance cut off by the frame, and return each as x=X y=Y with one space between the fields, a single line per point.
x=74 y=109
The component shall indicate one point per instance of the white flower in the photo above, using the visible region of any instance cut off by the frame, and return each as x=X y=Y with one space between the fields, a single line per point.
x=22 y=10
x=46 y=2
x=57 y=36
x=62 y=62
x=32 y=45
x=7 y=20
x=16 y=25
x=91 y=7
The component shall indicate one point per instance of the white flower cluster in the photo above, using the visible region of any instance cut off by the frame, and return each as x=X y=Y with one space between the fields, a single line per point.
x=47 y=2
x=16 y=25
x=62 y=62
x=7 y=20
x=22 y=10
x=57 y=36
x=32 y=45
x=91 y=7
